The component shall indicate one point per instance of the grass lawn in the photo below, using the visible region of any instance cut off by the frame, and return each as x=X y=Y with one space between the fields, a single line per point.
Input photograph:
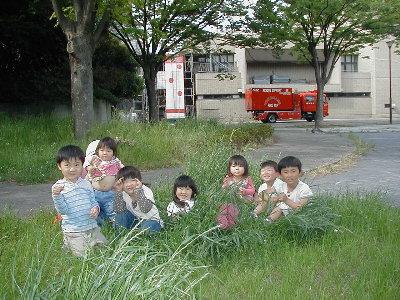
x=354 y=257
x=31 y=143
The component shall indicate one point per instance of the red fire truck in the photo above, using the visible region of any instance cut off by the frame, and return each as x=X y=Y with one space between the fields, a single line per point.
x=272 y=104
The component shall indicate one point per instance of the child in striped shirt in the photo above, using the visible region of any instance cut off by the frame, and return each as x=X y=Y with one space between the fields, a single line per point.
x=74 y=200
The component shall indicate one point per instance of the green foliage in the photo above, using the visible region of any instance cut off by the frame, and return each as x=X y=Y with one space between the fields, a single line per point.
x=345 y=245
x=28 y=158
x=34 y=66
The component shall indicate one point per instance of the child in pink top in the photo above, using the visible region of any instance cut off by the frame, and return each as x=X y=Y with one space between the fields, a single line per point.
x=238 y=178
x=102 y=169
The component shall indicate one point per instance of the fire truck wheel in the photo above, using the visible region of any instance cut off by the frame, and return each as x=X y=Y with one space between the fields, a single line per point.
x=309 y=118
x=272 y=118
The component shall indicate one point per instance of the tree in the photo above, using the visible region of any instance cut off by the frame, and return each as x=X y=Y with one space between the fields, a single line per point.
x=336 y=27
x=153 y=29
x=82 y=24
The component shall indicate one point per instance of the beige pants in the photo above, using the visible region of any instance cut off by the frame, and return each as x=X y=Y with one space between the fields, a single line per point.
x=80 y=242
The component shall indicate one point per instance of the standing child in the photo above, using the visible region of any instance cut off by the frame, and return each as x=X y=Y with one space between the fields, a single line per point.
x=102 y=169
x=238 y=179
x=74 y=200
x=134 y=202
x=184 y=192
x=271 y=184
x=294 y=193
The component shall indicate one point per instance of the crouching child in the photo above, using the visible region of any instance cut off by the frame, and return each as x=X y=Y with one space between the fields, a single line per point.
x=134 y=202
x=293 y=193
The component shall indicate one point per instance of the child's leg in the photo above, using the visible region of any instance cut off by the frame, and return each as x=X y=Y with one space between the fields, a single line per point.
x=75 y=242
x=125 y=219
x=106 y=203
x=261 y=206
x=152 y=226
x=275 y=214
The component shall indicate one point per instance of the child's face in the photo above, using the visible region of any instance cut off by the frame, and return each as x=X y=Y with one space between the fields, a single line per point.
x=291 y=175
x=268 y=174
x=237 y=170
x=71 y=169
x=105 y=153
x=131 y=184
x=184 y=193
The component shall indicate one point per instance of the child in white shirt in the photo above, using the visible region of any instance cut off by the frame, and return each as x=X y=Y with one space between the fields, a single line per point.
x=184 y=193
x=294 y=193
x=271 y=183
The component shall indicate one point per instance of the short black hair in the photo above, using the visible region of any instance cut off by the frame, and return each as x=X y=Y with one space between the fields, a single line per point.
x=269 y=163
x=129 y=172
x=289 y=161
x=70 y=151
x=184 y=181
x=107 y=142
x=238 y=160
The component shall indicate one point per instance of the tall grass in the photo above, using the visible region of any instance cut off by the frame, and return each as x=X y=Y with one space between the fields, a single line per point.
x=30 y=143
x=349 y=251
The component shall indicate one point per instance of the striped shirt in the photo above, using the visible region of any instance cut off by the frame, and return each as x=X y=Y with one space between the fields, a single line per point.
x=74 y=204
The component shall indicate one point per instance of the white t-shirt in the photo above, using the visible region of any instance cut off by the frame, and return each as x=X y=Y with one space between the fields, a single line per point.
x=153 y=214
x=277 y=185
x=174 y=209
x=302 y=190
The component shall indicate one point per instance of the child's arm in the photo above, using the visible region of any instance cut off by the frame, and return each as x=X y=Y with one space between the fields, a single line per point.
x=291 y=204
x=59 y=200
x=144 y=203
x=249 y=190
x=226 y=181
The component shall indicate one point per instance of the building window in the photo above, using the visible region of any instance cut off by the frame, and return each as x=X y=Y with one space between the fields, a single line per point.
x=350 y=63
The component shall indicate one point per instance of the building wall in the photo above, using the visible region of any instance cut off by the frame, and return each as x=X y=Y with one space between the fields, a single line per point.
x=225 y=110
x=359 y=82
x=350 y=107
x=209 y=84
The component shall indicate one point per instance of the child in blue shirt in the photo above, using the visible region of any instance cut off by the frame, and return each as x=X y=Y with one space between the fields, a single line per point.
x=74 y=200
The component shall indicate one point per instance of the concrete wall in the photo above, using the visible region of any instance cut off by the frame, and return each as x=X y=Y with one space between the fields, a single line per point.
x=359 y=82
x=209 y=84
x=102 y=111
x=347 y=107
x=225 y=110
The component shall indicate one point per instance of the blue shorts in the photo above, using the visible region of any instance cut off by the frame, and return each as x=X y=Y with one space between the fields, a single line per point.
x=106 y=203
x=128 y=220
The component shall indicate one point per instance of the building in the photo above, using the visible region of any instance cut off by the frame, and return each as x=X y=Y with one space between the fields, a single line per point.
x=214 y=83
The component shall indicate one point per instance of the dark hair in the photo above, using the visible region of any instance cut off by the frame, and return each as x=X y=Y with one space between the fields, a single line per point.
x=129 y=172
x=238 y=160
x=184 y=181
x=269 y=163
x=289 y=161
x=107 y=142
x=68 y=152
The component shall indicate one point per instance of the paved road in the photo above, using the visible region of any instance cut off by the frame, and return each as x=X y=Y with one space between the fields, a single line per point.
x=379 y=170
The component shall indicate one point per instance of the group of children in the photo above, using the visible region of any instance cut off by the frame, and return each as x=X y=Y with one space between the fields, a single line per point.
x=96 y=187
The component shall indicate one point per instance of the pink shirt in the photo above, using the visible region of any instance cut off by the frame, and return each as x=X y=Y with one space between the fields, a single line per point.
x=109 y=168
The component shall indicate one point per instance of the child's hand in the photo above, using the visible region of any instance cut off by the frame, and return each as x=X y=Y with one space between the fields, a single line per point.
x=225 y=182
x=95 y=161
x=118 y=185
x=94 y=212
x=57 y=190
x=138 y=184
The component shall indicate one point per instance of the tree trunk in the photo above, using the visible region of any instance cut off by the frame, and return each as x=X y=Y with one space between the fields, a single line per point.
x=150 y=77
x=319 y=115
x=80 y=59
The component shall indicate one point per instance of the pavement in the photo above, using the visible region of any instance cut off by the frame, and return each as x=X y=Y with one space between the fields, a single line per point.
x=378 y=170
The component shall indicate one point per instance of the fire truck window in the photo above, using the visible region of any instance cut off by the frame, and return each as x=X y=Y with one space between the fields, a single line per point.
x=309 y=98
